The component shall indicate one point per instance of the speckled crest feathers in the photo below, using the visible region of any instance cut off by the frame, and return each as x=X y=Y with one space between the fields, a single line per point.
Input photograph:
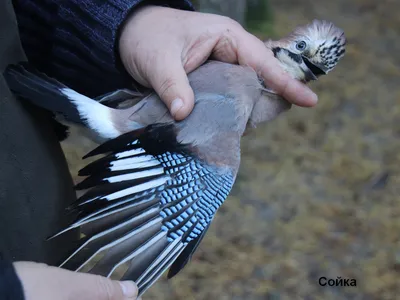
x=319 y=29
x=325 y=43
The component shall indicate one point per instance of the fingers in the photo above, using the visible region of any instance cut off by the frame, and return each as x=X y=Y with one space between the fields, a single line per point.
x=47 y=283
x=171 y=83
x=129 y=289
x=291 y=89
x=100 y=288
x=105 y=289
x=252 y=52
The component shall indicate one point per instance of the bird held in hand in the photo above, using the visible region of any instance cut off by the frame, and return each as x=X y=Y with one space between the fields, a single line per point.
x=152 y=196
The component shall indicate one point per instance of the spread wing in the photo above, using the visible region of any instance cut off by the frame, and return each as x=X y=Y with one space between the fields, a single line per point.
x=149 y=203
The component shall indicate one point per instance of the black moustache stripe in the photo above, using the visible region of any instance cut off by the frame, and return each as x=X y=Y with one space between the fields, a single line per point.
x=295 y=57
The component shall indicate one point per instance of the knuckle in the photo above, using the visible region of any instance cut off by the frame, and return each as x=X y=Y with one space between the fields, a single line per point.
x=231 y=22
x=262 y=65
x=166 y=86
x=283 y=86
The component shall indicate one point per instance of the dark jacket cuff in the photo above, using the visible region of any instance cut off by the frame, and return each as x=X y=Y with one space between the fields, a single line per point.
x=105 y=21
x=75 y=41
x=10 y=285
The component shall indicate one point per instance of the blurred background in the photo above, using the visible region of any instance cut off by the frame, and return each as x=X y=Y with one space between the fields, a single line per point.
x=318 y=193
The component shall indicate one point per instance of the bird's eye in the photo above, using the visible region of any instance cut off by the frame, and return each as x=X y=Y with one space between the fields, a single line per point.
x=301 y=46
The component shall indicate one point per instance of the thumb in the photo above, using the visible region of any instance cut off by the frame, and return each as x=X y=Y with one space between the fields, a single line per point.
x=172 y=85
x=107 y=289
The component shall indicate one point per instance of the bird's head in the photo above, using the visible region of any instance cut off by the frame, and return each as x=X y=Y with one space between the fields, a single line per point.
x=311 y=50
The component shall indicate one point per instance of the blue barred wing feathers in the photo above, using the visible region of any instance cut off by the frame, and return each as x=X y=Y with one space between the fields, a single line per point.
x=148 y=204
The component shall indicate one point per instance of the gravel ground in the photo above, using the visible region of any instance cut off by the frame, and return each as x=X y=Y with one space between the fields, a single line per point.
x=318 y=190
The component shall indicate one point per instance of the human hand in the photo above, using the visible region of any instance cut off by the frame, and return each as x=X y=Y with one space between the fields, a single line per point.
x=42 y=282
x=158 y=46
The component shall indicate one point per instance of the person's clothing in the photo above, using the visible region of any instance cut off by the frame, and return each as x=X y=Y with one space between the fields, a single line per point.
x=34 y=172
x=75 y=41
x=10 y=285
x=35 y=184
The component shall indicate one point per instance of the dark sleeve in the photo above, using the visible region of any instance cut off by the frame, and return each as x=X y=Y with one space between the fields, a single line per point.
x=10 y=285
x=75 y=41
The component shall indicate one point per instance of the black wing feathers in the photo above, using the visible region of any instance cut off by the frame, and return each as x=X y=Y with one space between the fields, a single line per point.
x=186 y=255
x=155 y=138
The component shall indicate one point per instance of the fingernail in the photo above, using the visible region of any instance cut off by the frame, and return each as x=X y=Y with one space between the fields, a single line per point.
x=129 y=288
x=314 y=98
x=309 y=97
x=176 y=105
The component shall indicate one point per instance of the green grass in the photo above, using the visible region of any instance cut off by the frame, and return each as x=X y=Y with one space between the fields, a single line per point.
x=259 y=19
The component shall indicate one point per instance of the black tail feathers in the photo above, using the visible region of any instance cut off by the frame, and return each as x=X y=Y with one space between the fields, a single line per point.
x=30 y=84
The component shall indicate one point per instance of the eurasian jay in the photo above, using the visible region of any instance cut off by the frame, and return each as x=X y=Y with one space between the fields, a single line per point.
x=152 y=196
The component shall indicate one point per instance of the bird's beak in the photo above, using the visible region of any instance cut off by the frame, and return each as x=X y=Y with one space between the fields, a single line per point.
x=315 y=68
x=309 y=75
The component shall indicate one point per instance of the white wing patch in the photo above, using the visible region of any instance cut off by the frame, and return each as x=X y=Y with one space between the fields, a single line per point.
x=132 y=160
x=138 y=188
x=97 y=116
x=129 y=153
x=144 y=164
x=136 y=175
